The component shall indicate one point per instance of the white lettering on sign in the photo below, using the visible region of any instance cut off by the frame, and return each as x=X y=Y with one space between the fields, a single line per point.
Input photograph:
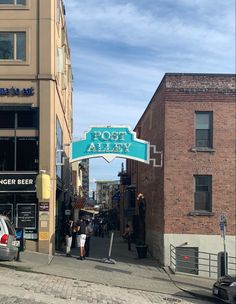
x=7 y=181
x=106 y=135
x=107 y=147
x=25 y=182
x=16 y=181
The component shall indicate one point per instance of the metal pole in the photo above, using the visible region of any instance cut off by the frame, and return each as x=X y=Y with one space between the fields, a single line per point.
x=109 y=260
x=225 y=258
x=110 y=248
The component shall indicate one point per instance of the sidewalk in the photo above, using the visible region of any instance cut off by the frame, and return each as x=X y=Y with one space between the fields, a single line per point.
x=127 y=272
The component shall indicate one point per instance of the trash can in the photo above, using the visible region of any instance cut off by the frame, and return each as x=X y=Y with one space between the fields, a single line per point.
x=20 y=241
x=222 y=264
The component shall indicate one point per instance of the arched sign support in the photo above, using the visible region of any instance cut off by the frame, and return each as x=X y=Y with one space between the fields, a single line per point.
x=110 y=142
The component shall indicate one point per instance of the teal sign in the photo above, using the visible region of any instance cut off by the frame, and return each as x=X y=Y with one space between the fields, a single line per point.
x=110 y=142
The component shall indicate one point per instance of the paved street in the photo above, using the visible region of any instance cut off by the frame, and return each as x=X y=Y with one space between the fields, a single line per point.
x=40 y=279
x=24 y=287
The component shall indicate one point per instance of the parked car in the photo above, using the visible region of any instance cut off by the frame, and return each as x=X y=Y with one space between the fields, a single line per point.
x=225 y=289
x=8 y=248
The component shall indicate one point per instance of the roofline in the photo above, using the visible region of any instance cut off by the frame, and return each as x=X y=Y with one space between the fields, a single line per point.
x=180 y=74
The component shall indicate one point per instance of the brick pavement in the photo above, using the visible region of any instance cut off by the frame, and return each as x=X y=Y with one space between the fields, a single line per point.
x=29 y=288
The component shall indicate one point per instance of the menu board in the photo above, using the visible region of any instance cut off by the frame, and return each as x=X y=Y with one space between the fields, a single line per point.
x=7 y=209
x=26 y=216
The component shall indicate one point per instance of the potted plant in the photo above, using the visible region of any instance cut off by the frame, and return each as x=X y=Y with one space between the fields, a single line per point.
x=141 y=249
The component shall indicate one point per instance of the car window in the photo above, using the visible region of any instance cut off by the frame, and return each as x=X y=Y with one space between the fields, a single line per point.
x=10 y=228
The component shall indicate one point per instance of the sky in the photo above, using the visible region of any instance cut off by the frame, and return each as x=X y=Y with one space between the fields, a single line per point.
x=121 y=49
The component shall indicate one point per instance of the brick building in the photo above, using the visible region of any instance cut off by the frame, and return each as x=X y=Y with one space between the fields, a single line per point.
x=191 y=119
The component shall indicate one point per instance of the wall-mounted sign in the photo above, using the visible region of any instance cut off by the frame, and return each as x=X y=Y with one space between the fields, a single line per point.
x=11 y=182
x=17 y=91
x=110 y=142
x=43 y=206
x=26 y=216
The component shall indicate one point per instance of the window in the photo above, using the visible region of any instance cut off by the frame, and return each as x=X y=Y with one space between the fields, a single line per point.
x=14 y=2
x=59 y=156
x=203 y=193
x=58 y=10
x=19 y=119
x=204 y=129
x=19 y=154
x=7 y=153
x=27 y=154
x=7 y=120
x=12 y=46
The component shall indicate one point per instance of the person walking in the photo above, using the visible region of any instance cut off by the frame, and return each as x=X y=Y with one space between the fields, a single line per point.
x=81 y=238
x=88 y=232
x=68 y=236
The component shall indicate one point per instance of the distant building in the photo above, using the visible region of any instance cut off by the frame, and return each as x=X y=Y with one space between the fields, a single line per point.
x=105 y=191
x=35 y=118
x=191 y=120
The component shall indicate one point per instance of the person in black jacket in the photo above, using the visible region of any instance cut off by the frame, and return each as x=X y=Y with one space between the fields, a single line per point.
x=68 y=236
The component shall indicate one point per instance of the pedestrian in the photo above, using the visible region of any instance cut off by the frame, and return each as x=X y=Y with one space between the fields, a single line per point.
x=127 y=235
x=142 y=214
x=81 y=237
x=68 y=236
x=88 y=232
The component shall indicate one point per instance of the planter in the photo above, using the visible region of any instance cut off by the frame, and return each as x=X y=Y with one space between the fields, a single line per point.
x=142 y=251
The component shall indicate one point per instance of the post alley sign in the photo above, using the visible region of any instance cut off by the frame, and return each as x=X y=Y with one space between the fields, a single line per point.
x=110 y=142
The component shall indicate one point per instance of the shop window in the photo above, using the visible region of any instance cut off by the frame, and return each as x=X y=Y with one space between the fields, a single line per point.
x=27 y=119
x=13 y=46
x=19 y=119
x=18 y=154
x=14 y=2
x=27 y=154
x=203 y=193
x=7 y=120
x=7 y=147
x=204 y=129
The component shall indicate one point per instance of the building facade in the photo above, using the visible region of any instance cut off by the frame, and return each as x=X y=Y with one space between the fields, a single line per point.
x=191 y=121
x=35 y=117
x=105 y=193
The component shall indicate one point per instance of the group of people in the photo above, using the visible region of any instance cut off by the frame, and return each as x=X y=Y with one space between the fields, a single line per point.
x=82 y=231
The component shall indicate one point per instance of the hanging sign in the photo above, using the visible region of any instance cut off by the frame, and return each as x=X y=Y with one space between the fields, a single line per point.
x=110 y=142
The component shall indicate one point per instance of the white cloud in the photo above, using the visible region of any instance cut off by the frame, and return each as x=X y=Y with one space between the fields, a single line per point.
x=122 y=48
x=205 y=27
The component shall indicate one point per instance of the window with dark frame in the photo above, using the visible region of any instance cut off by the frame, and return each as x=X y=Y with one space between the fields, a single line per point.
x=13 y=46
x=19 y=154
x=19 y=119
x=204 y=129
x=203 y=193
x=14 y=2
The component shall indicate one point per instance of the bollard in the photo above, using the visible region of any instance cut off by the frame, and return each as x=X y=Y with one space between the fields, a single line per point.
x=109 y=260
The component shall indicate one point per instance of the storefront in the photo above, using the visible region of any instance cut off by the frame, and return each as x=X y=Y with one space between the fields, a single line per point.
x=18 y=201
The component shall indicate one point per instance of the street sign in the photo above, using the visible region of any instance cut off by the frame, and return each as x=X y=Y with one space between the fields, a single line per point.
x=110 y=142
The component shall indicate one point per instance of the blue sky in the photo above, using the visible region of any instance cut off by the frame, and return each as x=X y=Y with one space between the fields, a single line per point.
x=121 y=49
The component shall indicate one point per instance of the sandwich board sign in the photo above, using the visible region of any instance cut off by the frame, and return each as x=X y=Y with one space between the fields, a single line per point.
x=110 y=142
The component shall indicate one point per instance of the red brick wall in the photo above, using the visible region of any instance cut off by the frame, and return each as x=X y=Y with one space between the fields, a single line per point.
x=168 y=122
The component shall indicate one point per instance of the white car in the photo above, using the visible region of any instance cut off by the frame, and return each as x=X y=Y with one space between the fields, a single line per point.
x=8 y=248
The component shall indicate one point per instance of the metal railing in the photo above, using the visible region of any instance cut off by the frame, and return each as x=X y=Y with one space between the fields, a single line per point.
x=205 y=263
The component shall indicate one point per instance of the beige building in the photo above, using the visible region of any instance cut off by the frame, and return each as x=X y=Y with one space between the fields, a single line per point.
x=35 y=117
